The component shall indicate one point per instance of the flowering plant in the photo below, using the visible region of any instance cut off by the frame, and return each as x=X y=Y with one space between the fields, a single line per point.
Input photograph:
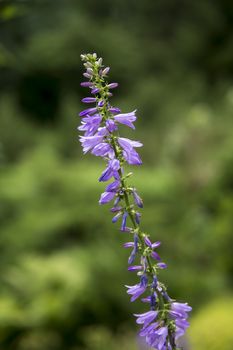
x=166 y=320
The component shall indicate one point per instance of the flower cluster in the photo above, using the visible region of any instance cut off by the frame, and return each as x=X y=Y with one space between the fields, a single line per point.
x=167 y=320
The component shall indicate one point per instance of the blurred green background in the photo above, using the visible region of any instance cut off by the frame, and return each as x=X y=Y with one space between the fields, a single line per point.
x=63 y=269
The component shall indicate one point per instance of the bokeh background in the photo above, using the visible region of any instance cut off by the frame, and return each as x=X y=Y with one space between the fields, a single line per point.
x=63 y=269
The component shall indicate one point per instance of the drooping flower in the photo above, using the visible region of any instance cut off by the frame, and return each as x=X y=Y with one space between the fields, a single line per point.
x=131 y=156
x=88 y=142
x=137 y=199
x=146 y=318
x=111 y=170
x=136 y=291
x=126 y=118
x=90 y=124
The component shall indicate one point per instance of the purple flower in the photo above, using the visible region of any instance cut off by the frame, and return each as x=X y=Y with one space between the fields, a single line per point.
x=99 y=125
x=146 y=330
x=181 y=326
x=112 y=85
x=110 y=192
x=88 y=142
x=150 y=244
x=102 y=149
x=95 y=91
x=137 y=199
x=137 y=217
x=128 y=144
x=156 y=338
x=106 y=197
x=111 y=126
x=101 y=103
x=128 y=244
x=89 y=111
x=146 y=318
x=126 y=118
x=154 y=255
x=87 y=75
x=113 y=167
x=86 y=84
x=162 y=265
x=134 y=268
x=89 y=100
x=130 y=155
x=113 y=187
x=105 y=71
x=136 y=291
x=151 y=299
x=180 y=310
x=90 y=124
x=124 y=218
x=114 y=110
x=135 y=249
x=116 y=217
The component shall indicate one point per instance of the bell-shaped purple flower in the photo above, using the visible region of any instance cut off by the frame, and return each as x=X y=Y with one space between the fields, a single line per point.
x=106 y=197
x=137 y=199
x=89 y=100
x=129 y=153
x=102 y=149
x=124 y=218
x=114 y=110
x=180 y=310
x=112 y=85
x=86 y=84
x=126 y=119
x=87 y=111
x=146 y=318
x=89 y=142
x=136 y=291
x=90 y=124
x=111 y=126
x=112 y=168
x=156 y=338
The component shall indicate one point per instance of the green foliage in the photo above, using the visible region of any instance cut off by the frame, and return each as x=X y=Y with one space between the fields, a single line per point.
x=212 y=326
x=62 y=263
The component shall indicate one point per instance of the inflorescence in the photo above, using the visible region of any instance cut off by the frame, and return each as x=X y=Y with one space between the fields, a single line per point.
x=166 y=320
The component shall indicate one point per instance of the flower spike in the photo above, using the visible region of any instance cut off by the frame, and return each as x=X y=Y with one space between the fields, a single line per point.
x=166 y=320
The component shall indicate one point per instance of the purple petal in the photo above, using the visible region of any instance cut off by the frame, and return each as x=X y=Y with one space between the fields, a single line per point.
x=111 y=126
x=155 y=256
x=128 y=144
x=89 y=100
x=113 y=187
x=137 y=199
x=102 y=149
x=95 y=91
x=116 y=217
x=124 y=218
x=106 y=197
x=128 y=244
x=126 y=119
x=156 y=244
x=88 y=111
x=134 y=268
x=112 y=85
x=162 y=265
x=105 y=71
x=88 y=142
x=148 y=242
x=86 y=84
x=114 y=110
